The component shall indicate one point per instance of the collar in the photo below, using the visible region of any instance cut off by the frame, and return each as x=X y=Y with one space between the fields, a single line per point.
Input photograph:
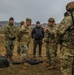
x=10 y=24
x=50 y=26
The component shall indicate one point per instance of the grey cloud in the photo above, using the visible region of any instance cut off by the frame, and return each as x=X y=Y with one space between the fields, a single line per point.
x=36 y=9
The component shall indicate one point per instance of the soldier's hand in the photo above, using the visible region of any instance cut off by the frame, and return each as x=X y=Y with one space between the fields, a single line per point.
x=13 y=38
x=43 y=42
x=33 y=39
x=21 y=31
x=46 y=29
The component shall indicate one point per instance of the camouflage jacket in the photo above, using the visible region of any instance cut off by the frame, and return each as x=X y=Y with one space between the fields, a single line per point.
x=24 y=35
x=18 y=35
x=66 y=32
x=50 y=35
x=10 y=32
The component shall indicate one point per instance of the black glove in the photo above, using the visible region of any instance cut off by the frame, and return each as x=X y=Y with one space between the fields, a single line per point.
x=13 y=38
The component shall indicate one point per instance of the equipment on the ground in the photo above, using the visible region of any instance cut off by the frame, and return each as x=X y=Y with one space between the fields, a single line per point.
x=4 y=63
x=30 y=61
x=34 y=62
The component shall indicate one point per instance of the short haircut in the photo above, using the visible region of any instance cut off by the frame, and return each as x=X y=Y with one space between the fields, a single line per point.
x=11 y=18
x=37 y=22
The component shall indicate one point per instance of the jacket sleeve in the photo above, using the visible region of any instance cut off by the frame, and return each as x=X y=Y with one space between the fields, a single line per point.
x=65 y=24
x=32 y=33
x=7 y=33
x=43 y=32
x=46 y=37
x=21 y=30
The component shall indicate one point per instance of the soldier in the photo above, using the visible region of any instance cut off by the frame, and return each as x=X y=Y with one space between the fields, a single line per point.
x=24 y=35
x=66 y=33
x=10 y=36
x=51 y=44
x=18 y=37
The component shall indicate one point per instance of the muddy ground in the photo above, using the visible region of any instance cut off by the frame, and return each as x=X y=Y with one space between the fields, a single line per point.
x=39 y=69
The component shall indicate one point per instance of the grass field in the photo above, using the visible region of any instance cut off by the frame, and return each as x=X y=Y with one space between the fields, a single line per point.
x=32 y=70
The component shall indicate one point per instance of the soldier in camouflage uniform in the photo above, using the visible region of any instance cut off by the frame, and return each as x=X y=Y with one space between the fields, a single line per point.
x=18 y=37
x=24 y=35
x=66 y=33
x=10 y=36
x=51 y=43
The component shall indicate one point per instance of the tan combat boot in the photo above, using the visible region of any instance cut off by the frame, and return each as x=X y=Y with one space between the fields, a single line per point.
x=51 y=67
x=26 y=64
x=23 y=66
x=47 y=64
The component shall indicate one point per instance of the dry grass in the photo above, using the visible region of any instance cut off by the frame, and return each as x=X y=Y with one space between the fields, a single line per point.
x=32 y=70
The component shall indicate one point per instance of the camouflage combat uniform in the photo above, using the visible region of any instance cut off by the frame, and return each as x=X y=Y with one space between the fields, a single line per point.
x=18 y=41
x=18 y=37
x=66 y=33
x=51 y=44
x=67 y=43
x=10 y=35
x=24 y=40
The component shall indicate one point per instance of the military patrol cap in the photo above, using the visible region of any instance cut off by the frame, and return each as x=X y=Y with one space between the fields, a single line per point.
x=28 y=19
x=51 y=20
x=70 y=6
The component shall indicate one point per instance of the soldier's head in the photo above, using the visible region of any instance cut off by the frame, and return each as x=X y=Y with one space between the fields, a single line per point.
x=38 y=24
x=51 y=21
x=28 y=21
x=22 y=23
x=11 y=20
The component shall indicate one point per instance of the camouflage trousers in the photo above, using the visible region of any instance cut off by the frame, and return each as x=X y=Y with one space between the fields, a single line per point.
x=67 y=56
x=24 y=51
x=18 y=49
x=51 y=50
x=9 y=46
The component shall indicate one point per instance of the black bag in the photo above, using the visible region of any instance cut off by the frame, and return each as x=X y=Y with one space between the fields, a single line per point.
x=17 y=63
x=4 y=63
x=34 y=62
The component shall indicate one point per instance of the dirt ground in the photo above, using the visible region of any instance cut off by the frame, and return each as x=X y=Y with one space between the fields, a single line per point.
x=32 y=69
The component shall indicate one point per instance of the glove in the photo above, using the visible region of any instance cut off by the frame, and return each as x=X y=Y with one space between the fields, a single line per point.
x=13 y=38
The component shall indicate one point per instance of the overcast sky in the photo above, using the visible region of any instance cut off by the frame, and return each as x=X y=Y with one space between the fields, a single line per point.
x=37 y=10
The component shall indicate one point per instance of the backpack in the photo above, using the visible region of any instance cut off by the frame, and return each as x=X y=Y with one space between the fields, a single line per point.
x=4 y=63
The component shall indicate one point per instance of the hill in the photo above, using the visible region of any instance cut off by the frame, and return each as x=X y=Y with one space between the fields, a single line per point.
x=3 y=23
